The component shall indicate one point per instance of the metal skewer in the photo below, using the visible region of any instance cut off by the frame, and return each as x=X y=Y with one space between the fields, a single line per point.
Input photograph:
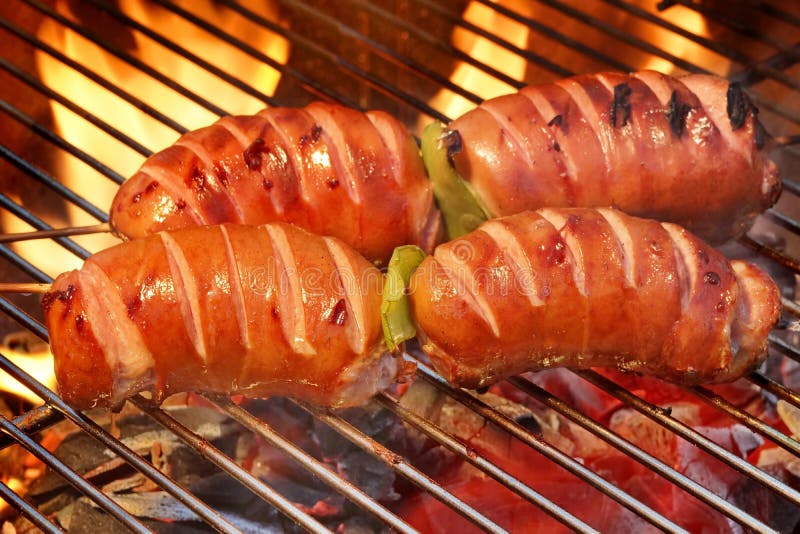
x=56 y=232
x=24 y=287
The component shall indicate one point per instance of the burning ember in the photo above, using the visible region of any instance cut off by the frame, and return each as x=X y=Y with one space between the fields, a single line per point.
x=507 y=36
x=141 y=497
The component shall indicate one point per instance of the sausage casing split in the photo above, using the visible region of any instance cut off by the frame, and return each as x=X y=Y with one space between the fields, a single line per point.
x=269 y=310
x=326 y=168
x=589 y=288
x=687 y=150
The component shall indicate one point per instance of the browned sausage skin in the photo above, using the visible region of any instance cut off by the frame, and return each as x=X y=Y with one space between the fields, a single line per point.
x=269 y=310
x=589 y=288
x=687 y=150
x=329 y=169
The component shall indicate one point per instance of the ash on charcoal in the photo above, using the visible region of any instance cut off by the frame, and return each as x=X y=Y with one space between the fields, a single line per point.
x=766 y=505
x=371 y=475
x=93 y=460
x=158 y=511
x=376 y=422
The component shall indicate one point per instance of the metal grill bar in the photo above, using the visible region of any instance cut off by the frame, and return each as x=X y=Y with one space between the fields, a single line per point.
x=658 y=52
x=735 y=25
x=36 y=222
x=213 y=454
x=547 y=450
x=91 y=75
x=58 y=141
x=430 y=40
x=89 y=117
x=527 y=54
x=661 y=416
x=554 y=455
x=754 y=424
x=710 y=44
x=687 y=484
x=128 y=58
x=22 y=264
x=788 y=350
x=48 y=415
x=384 y=51
x=506 y=479
x=183 y=52
x=779 y=390
x=123 y=451
x=68 y=474
x=404 y=468
x=43 y=178
x=34 y=515
x=316 y=467
x=368 y=78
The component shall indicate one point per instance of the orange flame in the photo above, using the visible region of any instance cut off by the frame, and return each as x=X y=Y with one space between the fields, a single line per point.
x=128 y=119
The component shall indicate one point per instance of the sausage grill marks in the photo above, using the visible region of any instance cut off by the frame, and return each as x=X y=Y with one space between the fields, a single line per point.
x=686 y=150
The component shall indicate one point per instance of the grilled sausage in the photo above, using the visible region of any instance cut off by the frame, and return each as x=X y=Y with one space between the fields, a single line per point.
x=269 y=310
x=329 y=169
x=686 y=150
x=589 y=288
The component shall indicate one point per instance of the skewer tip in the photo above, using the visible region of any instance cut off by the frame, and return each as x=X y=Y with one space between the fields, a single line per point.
x=24 y=287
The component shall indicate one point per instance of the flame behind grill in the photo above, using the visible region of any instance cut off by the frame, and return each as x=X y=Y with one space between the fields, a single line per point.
x=417 y=59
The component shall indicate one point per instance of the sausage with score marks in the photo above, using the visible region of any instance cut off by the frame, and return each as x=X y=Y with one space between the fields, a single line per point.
x=275 y=310
x=687 y=150
x=586 y=288
x=326 y=168
x=269 y=310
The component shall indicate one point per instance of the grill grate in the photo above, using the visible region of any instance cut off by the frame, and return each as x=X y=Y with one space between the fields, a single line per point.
x=397 y=56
